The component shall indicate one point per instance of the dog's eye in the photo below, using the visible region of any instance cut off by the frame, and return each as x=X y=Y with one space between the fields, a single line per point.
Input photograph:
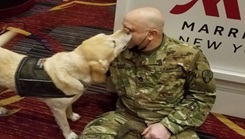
x=114 y=42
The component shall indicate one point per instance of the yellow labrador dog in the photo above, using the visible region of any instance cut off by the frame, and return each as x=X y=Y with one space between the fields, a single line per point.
x=67 y=73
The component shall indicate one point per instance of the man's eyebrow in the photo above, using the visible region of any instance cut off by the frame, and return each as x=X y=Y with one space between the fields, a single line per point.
x=124 y=25
x=127 y=28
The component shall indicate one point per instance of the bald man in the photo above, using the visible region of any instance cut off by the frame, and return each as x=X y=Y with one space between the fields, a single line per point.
x=165 y=87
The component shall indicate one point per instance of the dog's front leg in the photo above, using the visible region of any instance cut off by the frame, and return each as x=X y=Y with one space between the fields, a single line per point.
x=61 y=119
x=72 y=115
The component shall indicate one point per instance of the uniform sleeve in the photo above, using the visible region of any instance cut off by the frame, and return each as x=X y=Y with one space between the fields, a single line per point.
x=110 y=87
x=200 y=94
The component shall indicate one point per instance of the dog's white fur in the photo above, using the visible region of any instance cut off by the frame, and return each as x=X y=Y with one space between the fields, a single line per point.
x=87 y=63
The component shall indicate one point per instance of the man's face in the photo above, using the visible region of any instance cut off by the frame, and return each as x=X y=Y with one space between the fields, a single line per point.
x=138 y=31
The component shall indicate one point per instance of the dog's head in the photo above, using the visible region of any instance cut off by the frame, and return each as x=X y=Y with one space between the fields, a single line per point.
x=100 y=50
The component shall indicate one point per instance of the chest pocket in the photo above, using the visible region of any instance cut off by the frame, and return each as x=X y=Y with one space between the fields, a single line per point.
x=122 y=75
x=164 y=79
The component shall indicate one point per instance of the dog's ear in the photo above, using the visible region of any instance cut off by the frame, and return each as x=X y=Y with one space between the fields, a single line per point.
x=98 y=70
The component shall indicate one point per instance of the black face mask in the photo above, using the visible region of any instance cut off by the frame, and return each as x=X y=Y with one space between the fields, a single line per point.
x=136 y=47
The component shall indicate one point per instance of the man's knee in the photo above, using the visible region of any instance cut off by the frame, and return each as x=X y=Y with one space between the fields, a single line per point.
x=104 y=127
x=95 y=136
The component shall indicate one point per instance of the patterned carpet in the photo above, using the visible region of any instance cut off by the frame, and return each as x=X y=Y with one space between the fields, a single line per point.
x=61 y=26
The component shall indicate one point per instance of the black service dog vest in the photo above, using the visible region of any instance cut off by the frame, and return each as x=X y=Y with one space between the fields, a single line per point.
x=32 y=80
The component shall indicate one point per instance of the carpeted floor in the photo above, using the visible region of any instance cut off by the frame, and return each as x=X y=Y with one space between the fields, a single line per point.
x=62 y=29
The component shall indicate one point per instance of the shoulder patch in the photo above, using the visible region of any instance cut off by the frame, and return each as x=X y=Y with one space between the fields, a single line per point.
x=207 y=76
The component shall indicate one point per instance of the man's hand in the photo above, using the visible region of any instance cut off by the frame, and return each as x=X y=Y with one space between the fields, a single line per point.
x=156 y=131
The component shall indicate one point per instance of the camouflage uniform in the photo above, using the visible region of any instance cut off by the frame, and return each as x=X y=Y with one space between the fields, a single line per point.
x=172 y=85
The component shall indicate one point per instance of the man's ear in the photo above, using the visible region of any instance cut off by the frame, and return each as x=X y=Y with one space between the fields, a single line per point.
x=152 y=33
x=97 y=71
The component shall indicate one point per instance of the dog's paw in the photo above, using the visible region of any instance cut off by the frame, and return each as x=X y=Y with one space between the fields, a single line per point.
x=74 y=117
x=3 y=111
x=72 y=135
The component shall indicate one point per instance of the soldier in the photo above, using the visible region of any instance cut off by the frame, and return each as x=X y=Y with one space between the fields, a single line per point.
x=165 y=87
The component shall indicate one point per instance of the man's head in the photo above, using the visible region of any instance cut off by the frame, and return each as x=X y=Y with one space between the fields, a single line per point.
x=146 y=27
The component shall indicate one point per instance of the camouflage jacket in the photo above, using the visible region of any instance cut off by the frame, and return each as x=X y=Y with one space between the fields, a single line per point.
x=172 y=85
